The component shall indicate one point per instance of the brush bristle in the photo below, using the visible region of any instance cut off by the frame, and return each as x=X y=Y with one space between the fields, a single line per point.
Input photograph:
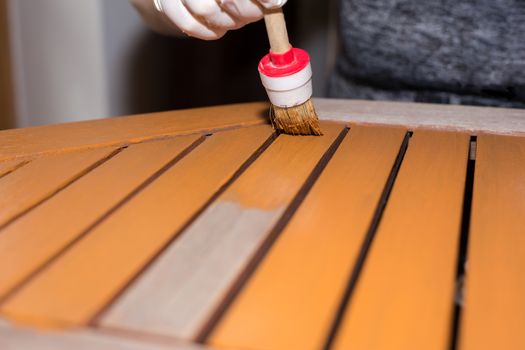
x=298 y=120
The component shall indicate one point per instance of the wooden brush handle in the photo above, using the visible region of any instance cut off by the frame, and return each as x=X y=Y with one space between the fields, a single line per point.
x=276 y=28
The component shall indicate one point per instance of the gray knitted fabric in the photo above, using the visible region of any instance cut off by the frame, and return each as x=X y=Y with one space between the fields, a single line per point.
x=442 y=51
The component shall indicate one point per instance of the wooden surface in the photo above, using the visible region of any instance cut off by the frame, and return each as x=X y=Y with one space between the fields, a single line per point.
x=42 y=178
x=197 y=271
x=404 y=298
x=151 y=232
x=9 y=166
x=494 y=313
x=86 y=201
x=304 y=275
x=75 y=287
x=117 y=131
x=26 y=339
x=7 y=110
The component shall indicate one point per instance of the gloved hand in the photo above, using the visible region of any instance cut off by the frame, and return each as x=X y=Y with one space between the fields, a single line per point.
x=203 y=19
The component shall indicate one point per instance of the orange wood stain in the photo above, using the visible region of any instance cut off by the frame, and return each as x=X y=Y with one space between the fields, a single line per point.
x=41 y=178
x=179 y=293
x=73 y=289
x=30 y=241
x=290 y=301
x=248 y=191
x=405 y=293
x=117 y=131
x=8 y=166
x=494 y=311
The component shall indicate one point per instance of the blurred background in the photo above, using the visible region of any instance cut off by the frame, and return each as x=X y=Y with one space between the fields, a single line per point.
x=63 y=60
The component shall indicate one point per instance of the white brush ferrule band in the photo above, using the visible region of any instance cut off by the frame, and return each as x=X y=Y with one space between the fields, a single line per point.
x=290 y=90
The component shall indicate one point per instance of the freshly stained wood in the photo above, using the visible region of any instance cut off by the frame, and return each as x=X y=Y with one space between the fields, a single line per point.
x=26 y=339
x=181 y=290
x=41 y=178
x=73 y=289
x=9 y=166
x=35 y=238
x=424 y=115
x=405 y=293
x=290 y=301
x=116 y=131
x=494 y=311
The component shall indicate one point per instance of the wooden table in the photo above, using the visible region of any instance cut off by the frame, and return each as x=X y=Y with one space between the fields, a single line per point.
x=201 y=228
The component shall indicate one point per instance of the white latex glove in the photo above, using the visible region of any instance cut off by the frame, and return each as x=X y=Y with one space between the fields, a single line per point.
x=203 y=19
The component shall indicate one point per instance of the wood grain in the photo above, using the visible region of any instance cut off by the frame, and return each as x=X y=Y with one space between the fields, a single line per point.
x=180 y=291
x=405 y=293
x=17 y=338
x=73 y=289
x=494 y=311
x=45 y=231
x=41 y=178
x=424 y=115
x=9 y=166
x=290 y=301
x=116 y=131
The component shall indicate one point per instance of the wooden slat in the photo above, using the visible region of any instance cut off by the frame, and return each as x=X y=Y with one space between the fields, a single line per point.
x=116 y=131
x=177 y=295
x=494 y=311
x=35 y=238
x=424 y=115
x=405 y=294
x=41 y=178
x=26 y=339
x=290 y=301
x=73 y=289
x=9 y=166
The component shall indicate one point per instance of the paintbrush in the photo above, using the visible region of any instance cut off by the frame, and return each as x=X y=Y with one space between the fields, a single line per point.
x=286 y=75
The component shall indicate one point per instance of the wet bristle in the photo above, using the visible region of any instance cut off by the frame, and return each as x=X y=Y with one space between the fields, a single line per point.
x=298 y=120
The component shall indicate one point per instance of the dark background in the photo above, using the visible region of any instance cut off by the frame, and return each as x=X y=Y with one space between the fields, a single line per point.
x=172 y=73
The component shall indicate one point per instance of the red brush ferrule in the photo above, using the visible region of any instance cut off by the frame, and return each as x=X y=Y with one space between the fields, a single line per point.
x=281 y=65
x=282 y=59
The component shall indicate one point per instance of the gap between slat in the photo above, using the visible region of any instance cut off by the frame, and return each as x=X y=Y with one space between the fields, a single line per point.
x=13 y=169
x=237 y=286
x=129 y=142
x=65 y=185
x=95 y=320
x=369 y=237
x=463 y=243
x=127 y=198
